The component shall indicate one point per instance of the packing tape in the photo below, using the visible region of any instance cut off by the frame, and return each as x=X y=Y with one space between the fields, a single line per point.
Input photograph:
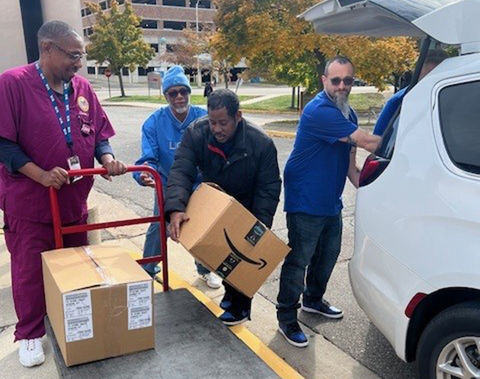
x=102 y=271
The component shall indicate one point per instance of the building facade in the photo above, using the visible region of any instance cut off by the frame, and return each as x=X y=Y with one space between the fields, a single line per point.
x=19 y=24
x=162 y=24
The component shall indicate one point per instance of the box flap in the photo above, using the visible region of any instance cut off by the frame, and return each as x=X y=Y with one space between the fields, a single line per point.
x=90 y=266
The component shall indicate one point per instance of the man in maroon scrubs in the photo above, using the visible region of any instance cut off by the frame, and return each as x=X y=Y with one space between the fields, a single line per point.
x=50 y=121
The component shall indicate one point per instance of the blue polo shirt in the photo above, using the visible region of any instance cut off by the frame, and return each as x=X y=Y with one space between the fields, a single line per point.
x=317 y=168
x=388 y=111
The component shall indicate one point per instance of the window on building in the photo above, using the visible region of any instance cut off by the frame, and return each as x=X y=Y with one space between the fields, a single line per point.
x=174 y=3
x=91 y=70
x=201 y=4
x=83 y=13
x=88 y=12
x=148 y=2
x=155 y=46
x=120 y=2
x=125 y=71
x=149 y=24
x=174 y=25
x=143 y=72
x=170 y=48
x=87 y=32
x=459 y=114
x=103 y=5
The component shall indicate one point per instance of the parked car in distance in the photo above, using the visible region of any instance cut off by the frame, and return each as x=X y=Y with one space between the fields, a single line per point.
x=359 y=83
x=415 y=270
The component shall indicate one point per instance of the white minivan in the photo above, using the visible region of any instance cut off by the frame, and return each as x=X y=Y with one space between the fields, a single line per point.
x=416 y=266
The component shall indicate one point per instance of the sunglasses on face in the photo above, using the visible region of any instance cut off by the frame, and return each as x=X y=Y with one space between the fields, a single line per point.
x=73 y=57
x=348 y=81
x=174 y=93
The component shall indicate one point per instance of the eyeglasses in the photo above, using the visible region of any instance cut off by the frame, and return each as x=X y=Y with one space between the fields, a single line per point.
x=73 y=57
x=348 y=81
x=174 y=93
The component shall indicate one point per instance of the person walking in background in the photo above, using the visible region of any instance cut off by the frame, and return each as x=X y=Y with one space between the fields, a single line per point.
x=208 y=90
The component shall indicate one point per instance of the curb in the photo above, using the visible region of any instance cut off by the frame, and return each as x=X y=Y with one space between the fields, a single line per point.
x=279 y=134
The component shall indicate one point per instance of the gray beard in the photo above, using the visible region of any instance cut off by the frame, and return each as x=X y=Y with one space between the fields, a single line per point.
x=342 y=103
x=181 y=110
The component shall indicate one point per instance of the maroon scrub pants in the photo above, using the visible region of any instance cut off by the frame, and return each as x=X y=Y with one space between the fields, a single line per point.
x=26 y=241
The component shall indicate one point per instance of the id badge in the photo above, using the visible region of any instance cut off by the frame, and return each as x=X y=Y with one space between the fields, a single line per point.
x=74 y=164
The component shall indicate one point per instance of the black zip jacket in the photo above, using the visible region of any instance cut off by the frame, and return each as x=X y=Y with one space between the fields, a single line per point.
x=249 y=173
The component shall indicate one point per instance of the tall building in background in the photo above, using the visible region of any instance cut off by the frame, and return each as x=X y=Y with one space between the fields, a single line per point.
x=19 y=24
x=163 y=22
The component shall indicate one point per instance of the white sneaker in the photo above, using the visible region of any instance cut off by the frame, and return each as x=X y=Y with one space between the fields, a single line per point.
x=31 y=352
x=212 y=280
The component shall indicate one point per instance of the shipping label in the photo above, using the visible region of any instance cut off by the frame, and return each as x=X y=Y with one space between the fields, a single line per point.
x=139 y=300
x=78 y=303
x=78 y=328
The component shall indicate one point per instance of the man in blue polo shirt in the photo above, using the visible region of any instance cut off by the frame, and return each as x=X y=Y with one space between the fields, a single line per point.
x=315 y=174
x=432 y=60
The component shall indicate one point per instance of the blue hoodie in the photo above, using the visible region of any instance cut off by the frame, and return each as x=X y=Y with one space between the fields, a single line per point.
x=161 y=135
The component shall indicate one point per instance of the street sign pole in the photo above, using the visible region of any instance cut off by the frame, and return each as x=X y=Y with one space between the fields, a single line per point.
x=108 y=73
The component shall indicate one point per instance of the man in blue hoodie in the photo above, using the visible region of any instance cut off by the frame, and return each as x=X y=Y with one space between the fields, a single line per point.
x=161 y=135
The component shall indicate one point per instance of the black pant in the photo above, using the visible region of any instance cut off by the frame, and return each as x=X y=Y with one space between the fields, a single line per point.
x=240 y=301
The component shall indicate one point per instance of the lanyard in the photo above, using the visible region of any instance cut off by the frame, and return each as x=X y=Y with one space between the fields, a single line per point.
x=64 y=125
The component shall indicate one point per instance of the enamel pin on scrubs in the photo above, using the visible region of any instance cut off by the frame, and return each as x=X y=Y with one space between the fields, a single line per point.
x=85 y=129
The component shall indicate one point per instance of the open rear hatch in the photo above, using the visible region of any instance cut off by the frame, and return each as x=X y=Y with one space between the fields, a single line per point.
x=379 y=18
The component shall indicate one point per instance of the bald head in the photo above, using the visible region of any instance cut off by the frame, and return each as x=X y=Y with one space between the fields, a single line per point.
x=55 y=31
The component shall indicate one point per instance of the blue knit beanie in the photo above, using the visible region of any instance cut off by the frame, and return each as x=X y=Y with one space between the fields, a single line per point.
x=175 y=76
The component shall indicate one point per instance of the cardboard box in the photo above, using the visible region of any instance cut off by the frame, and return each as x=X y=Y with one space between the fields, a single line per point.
x=226 y=238
x=99 y=303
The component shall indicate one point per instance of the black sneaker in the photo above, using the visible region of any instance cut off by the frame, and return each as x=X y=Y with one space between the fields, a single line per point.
x=293 y=334
x=322 y=307
x=226 y=301
x=235 y=317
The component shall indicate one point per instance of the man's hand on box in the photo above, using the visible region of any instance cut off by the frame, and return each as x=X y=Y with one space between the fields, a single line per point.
x=176 y=219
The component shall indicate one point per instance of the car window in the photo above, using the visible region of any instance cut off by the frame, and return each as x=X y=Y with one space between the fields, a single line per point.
x=459 y=120
x=385 y=150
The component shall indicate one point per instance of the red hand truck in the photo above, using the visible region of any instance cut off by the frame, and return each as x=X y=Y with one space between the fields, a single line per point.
x=60 y=230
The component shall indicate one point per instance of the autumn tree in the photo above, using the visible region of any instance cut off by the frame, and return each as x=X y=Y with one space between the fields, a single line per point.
x=118 y=40
x=269 y=33
x=196 y=48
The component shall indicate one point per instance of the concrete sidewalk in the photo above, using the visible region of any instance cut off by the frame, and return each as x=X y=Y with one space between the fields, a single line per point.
x=321 y=360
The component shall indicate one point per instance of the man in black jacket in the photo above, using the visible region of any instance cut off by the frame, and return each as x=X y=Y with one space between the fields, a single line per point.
x=240 y=158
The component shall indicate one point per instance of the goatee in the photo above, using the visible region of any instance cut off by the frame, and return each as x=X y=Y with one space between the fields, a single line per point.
x=341 y=101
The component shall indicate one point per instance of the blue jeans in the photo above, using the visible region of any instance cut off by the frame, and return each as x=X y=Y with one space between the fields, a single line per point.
x=315 y=242
x=152 y=247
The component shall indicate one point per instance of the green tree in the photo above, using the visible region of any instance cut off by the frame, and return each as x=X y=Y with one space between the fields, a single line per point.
x=118 y=40
x=270 y=35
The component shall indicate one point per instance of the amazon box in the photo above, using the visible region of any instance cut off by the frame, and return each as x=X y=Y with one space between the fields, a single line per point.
x=99 y=303
x=226 y=238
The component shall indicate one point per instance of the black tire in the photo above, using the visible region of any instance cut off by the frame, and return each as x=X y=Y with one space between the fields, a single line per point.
x=462 y=320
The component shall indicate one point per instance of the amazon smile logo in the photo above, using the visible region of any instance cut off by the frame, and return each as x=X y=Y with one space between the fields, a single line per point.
x=240 y=256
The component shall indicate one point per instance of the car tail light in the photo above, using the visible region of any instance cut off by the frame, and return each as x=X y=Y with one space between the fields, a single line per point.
x=413 y=304
x=372 y=168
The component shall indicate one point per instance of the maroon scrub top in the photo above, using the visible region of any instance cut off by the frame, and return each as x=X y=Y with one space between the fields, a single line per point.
x=27 y=118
